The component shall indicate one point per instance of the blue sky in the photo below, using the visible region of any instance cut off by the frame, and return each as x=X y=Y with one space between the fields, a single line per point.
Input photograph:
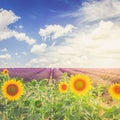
x=59 y=33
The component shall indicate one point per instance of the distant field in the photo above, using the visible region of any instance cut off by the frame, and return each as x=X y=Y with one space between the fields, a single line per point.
x=97 y=75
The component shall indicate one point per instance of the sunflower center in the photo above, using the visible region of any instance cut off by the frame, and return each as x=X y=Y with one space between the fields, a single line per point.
x=64 y=87
x=117 y=89
x=12 y=89
x=79 y=84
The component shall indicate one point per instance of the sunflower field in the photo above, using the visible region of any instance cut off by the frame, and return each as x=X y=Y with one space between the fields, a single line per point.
x=73 y=97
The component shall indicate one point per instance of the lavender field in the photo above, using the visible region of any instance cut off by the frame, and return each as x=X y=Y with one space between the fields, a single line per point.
x=97 y=75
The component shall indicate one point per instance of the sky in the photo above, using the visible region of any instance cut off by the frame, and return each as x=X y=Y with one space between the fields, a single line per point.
x=60 y=33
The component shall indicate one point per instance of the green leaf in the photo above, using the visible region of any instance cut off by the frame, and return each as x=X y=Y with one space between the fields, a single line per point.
x=2 y=107
x=108 y=114
x=116 y=111
x=43 y=82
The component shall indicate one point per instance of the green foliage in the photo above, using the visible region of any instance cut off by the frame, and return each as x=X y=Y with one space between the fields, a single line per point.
x=3 y=78
x=43 y=101
x=98 y=91
x=112 y=113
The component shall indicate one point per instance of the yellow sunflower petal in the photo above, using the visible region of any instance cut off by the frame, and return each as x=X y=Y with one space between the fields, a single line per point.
x=12 y=89
x=5 y=72
x=114 y=91
x=80 y=84
x=63 y=87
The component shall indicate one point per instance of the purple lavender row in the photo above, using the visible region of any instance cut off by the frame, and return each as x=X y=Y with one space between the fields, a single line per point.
x=45 y=73
x=70 y=71
x=29 y=73
x=56 y=74
x=25 y=73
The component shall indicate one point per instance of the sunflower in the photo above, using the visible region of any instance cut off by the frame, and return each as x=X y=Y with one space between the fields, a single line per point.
x=114 y=91
x=63 y=87
x=80 y=84
x=12 y=89
x=5 y=72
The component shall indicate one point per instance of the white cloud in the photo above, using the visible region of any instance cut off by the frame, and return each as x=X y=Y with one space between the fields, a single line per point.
x=19 y=36
x=7 y=18
x=38 y=49
x=97 y=10
x=55 y=31
x=103 y=9
x=5 y=34
x=103 y=31
x=16 y=54
x=5 y=56
x=20 y=26
x=9 y=64
x=4 y=50
x=96 y=46
x=24 y=53
x=23 y=37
